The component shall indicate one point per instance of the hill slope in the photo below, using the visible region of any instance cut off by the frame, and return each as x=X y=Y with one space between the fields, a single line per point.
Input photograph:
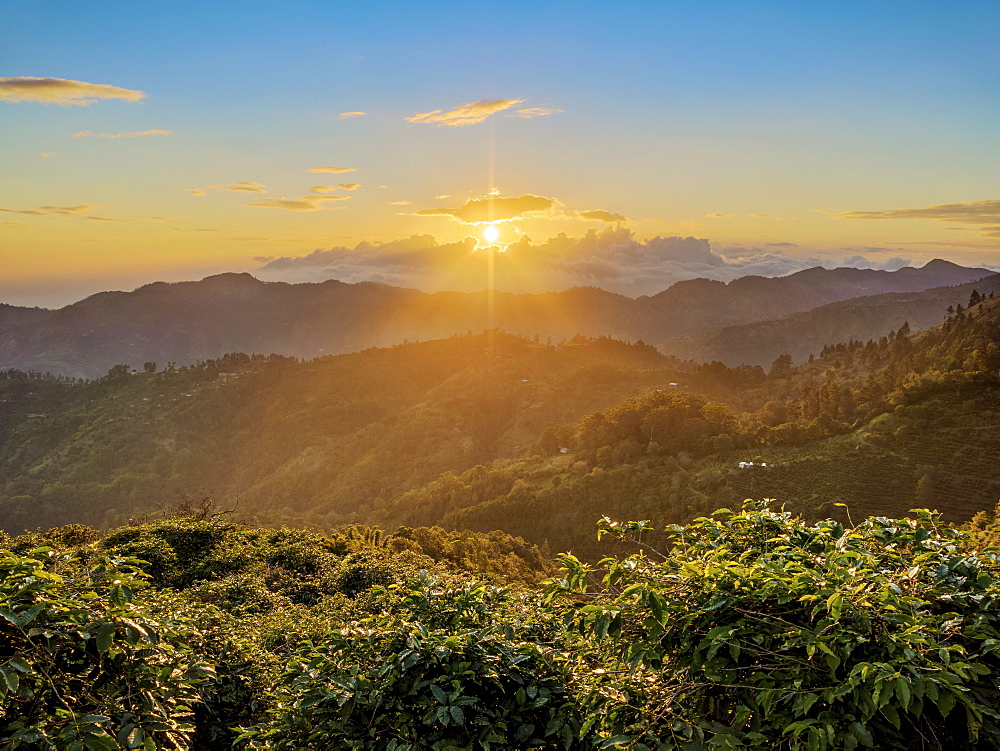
x=317 y=441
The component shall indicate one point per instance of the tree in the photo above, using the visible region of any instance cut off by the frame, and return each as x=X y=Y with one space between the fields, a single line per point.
x=781 y=367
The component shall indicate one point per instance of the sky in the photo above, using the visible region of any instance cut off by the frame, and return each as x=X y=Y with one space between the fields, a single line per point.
x=619 y=145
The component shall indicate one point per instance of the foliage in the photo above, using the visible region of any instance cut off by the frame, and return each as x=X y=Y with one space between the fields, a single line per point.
x=459 y=666
x=759 y=630
x=84 y=664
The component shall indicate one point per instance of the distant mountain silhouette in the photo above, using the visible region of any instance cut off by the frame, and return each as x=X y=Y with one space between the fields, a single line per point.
x=187 y=321
x=804 y=334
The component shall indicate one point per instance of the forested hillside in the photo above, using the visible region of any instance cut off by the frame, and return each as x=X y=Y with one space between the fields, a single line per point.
x=317 y=442
x=881 y=427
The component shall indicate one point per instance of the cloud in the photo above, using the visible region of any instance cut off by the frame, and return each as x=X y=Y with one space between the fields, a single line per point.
x=62 y=91
x=322 y=189
x=465 y=114
x=334 y=170
x=612 y=258
x=969 y=212
x=601 y=215
x=764 y=214
x=399 y=203
x=493 y=209
x=530 y=112
x=46 y=153
x=348 y=186
x=720 y=216
x=242 y=187
x=348 y=115
x=196 y=191
x=303 y=203
x=135 y=134
x=79 y=211
x=782 y=245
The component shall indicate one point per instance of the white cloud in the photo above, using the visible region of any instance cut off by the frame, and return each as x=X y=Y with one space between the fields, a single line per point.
x=334 y=170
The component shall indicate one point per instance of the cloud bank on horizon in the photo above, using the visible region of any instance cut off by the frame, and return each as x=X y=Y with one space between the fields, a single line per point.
x=613 y=259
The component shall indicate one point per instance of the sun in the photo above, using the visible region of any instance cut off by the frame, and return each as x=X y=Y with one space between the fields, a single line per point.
x=491 y=233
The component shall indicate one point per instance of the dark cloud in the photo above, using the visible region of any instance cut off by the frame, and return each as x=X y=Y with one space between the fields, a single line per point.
x=493 y=209
x=601 y=215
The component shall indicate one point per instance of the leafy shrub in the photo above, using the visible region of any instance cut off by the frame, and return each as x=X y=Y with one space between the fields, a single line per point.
x=444 y=670
x=83 y=666
x=759 y=630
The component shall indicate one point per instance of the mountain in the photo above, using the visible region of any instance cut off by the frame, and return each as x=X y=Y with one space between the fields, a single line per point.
x=805 y=334
x=190 y=321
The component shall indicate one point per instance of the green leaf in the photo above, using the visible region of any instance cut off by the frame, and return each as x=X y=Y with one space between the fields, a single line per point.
x=105 y=636
x=10 y=679
x=903 y=692
x=860 y=732
x=439 y=694
x=946 y=702
x=457 y=715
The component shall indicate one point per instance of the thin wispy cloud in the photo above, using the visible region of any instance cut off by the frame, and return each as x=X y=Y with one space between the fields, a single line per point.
x=196 y=191
x=465 y=114
x=62 y=91
x=399 y=203
x=349 y=115
x=529 y=112
x=241 y=187
x=334 y=170
x=968 y=212
x=46 y=153
x=303 y=203
x=135 y=134
x=78 y=211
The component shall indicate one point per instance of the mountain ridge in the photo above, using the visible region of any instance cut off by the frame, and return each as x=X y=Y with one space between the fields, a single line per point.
x=184 y=322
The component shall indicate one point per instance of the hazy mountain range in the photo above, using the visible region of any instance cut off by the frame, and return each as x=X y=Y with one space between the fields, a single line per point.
x=188 y=321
